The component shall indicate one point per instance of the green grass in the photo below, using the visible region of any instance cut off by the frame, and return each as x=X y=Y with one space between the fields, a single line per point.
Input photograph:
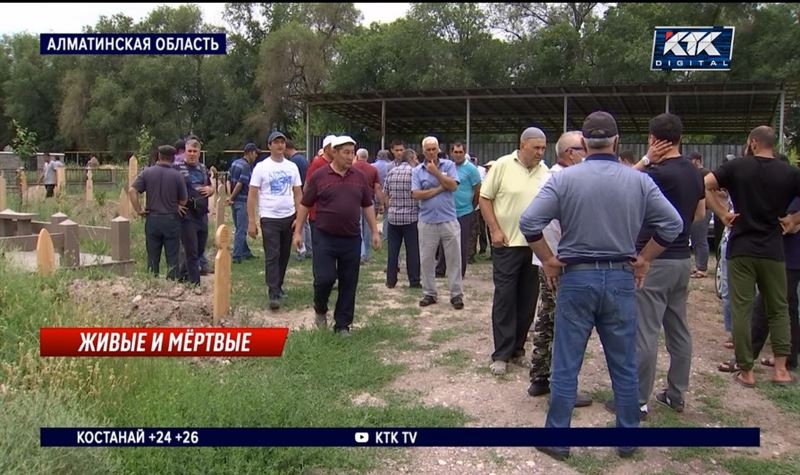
x=786 y=398
x=309 y=386
x=747 y=466
x=444 y=335
x=590 y=464
x=454 y=359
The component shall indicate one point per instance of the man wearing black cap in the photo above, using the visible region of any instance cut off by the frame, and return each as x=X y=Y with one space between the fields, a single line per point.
x=239 y=177
x=274 y=197
x=166 y=192
x=601 y=205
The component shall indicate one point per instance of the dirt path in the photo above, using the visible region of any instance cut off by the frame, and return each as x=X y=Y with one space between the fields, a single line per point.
x=455 y=374
x=448 y=366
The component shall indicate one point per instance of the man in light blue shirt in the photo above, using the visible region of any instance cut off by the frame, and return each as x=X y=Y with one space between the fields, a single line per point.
x=432 y=183
x=466 y=199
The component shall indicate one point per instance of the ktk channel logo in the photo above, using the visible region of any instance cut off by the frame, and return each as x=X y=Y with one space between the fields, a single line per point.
x=692 y=48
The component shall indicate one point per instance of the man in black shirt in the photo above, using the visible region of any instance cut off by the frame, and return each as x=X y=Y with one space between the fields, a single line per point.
x=662 y=300
x=166 y=192
x=761 y=189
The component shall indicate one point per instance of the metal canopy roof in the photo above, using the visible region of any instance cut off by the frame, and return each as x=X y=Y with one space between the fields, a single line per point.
x=712 y=108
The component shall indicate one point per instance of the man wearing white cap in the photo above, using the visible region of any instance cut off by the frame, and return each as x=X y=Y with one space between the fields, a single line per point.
x=340 y=192
x=513 y=182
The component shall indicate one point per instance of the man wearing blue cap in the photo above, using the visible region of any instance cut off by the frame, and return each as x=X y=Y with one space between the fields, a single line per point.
x=239 y=177
x=275 y=194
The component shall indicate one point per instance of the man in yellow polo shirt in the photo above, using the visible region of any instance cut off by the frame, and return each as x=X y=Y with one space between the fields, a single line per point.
x=509 y=188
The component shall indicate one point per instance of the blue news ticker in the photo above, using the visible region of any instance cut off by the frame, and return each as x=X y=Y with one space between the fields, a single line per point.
x=397 y=437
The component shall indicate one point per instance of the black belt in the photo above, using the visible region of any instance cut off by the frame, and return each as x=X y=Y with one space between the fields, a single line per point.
x=598 y=265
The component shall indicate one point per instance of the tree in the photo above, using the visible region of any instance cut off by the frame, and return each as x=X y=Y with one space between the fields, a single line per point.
x=24 y=142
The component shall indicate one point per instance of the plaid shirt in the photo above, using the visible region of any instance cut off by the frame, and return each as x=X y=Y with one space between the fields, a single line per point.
x=403 y=209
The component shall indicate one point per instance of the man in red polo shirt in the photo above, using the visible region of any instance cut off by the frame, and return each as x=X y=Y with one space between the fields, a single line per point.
x=339 y=193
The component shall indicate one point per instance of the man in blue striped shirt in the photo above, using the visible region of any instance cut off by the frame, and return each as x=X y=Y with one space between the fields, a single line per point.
x=601 y=205
x=239 y=177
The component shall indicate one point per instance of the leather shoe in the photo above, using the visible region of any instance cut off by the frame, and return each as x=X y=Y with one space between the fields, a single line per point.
x=427 y=300
x=554 y=452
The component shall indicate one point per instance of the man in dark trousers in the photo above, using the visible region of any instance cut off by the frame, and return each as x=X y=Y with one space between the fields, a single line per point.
x=194 y=224
x=339 y=193
x=166 y=193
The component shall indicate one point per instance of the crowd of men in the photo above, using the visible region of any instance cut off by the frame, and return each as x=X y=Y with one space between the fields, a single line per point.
x=599 y=240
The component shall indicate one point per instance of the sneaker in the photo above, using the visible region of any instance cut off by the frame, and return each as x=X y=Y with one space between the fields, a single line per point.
x=457 y=302
x=321 y=320
x=274 y=304
x=612 y=408
x=344 y=333
x=498 y=367
x=665 y=400
x=427 y=300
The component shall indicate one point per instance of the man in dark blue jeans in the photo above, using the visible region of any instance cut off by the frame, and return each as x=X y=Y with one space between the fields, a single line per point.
x=601 y=204
x=239 y=177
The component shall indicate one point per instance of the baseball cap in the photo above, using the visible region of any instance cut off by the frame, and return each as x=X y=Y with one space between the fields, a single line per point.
x=341 y=140
x=599 y=125
x=251 y=147
x=328 y=140
x=276 y=135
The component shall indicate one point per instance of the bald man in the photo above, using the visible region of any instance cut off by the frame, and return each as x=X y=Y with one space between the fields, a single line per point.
x=570 y=152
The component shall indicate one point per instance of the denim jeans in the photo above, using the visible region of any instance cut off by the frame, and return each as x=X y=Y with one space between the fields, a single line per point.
x=366 y=237
x=723 y=285
x=605 y=299
x=240 y=248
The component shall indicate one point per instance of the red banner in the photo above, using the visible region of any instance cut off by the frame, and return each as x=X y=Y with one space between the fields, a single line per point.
x=98 y=341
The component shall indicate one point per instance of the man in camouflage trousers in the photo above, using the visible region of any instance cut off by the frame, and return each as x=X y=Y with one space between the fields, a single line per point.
x=570 y=152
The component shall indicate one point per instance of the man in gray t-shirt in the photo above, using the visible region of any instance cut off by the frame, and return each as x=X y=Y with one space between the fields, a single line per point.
x=166 y=193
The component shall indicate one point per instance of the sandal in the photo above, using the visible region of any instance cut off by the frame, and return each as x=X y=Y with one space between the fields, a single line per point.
x=729 y=366
x=741 y=382
x=767 y=361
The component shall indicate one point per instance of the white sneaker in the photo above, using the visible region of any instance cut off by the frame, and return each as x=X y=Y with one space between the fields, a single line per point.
x=498 y=368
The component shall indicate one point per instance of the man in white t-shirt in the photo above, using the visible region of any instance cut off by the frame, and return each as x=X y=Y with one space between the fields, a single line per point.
x=275 y=190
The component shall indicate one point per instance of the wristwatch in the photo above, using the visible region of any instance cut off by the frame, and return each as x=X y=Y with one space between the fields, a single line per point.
x=645 y=161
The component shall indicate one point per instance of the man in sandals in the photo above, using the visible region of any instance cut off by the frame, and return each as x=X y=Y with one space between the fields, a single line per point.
x=761 y=189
